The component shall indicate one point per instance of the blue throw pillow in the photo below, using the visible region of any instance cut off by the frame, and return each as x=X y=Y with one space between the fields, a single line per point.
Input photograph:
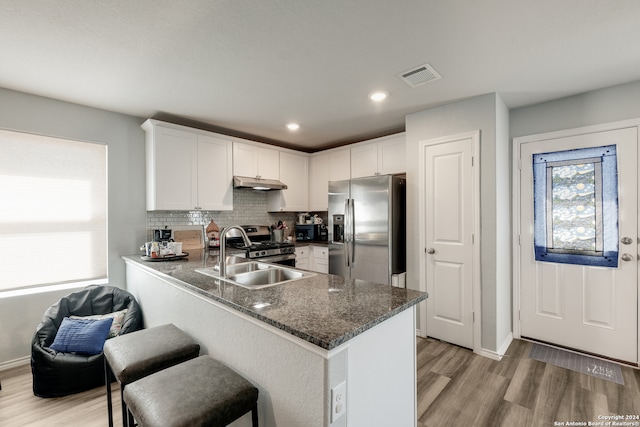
x=83 y=336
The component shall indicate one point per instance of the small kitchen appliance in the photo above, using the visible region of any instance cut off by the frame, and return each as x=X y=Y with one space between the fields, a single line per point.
x=162 y=235
x=311 y=232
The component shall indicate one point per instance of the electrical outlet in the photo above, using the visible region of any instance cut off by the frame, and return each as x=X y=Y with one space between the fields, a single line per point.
x=338 y=401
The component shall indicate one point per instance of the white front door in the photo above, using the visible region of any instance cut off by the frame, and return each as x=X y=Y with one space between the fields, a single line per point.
x=584 y=307
x=449 y=206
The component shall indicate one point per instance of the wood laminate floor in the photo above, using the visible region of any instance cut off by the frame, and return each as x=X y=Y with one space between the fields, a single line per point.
x=20 y=408
x=459 y=388
x=455 y=388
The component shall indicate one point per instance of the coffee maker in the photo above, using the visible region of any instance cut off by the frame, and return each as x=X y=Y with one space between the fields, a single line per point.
x=162 y=235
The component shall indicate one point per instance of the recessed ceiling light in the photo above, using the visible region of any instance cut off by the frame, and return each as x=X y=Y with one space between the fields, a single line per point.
x=293 y=126
x=378 y=96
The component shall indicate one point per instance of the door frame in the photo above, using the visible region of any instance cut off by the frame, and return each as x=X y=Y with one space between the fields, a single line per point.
x=516 y=183
x=476 y=268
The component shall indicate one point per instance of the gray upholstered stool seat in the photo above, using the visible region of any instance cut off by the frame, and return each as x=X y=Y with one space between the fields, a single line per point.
x=138 y=354
x=199 y=392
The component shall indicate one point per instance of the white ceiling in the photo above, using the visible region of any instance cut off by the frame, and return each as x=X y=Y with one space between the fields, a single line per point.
x=251 y=66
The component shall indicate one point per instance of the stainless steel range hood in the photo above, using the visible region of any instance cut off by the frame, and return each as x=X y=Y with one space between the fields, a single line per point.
x=257 y=183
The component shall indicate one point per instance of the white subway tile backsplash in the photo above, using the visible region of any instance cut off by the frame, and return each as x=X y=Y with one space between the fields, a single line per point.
x=249 y=207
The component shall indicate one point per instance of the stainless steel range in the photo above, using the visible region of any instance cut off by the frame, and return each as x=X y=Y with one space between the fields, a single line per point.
x=262 y=247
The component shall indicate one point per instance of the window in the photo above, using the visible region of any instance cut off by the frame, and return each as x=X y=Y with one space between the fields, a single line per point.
x=53 y=211
x=576 y=206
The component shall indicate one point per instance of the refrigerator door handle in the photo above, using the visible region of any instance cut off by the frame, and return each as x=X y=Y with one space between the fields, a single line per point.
x=352 y=230
x=345 y=239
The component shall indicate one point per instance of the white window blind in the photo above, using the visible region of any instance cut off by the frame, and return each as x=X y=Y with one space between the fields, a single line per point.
x=53 y=210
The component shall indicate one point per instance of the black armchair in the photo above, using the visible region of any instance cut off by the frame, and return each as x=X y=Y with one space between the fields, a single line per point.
x=59 y=374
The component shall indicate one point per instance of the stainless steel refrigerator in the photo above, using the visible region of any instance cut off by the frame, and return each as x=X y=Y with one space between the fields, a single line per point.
x=367 y=228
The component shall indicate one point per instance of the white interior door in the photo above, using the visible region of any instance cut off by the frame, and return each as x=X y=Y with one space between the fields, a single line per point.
x=589 y=308
x=449 y=207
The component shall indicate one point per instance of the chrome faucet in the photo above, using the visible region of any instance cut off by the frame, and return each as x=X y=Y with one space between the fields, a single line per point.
x=222 y=268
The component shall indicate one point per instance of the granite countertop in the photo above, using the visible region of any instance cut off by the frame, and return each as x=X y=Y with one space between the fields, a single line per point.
x=325 y=310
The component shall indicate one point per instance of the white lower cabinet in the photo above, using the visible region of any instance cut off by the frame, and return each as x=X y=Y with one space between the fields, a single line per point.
x=321 y=259
x=313 y=258
x=302 y=257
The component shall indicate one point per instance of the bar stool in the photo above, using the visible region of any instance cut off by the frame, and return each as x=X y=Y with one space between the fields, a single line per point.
x=198 y=392
x=137 y=354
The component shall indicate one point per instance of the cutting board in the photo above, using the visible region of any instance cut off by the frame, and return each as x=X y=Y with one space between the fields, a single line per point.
x=191 y=239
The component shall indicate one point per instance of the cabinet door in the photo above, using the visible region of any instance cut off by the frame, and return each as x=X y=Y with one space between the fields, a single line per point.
x=321 y=252
x=171 y=157
x=364 y=160
x=392 y=156
x=302 y=257
x=320 y=265
x=319 y=182
x=294 y=172
x=320 y=259
x=340 y=165
x=253 y=161
x=383 y=157
x=269 y=164
x=215 y=174
x=245 y=160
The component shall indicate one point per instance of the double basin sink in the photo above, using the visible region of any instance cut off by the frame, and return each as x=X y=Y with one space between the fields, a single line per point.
x=256 y=275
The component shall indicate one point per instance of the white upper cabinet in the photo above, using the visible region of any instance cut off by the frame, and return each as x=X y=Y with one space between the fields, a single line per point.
x=215 y=174
x=364 y=160
x=186 y=169
x=339 y=165
x=325 y=167
x=254 y=161
x=381 y=156
x=318 y=182
x=294 y=173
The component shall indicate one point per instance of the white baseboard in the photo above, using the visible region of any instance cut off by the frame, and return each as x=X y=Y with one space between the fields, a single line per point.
x=497 y=355
x=15 y=363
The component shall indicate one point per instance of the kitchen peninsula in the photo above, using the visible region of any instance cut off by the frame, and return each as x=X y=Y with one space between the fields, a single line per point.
x=302 y=343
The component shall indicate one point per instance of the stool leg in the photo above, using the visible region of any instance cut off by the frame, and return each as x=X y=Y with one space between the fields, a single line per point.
x=124 y=407
x=254 y=415
x=132 y=422
x=107 y=379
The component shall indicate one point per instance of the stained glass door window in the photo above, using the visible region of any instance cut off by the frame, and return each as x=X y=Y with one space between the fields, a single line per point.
x=576 y=206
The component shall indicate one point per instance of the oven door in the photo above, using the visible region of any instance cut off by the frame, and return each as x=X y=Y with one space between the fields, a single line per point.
x=285 y=259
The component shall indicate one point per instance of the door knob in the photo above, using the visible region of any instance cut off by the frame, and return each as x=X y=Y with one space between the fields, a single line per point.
x=431 y=251
x=626 y=257
x=626 y=240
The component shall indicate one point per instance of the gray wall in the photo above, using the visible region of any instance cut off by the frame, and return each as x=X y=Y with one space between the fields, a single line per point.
x=127 y=214
x=601 y=106
x=488 y=114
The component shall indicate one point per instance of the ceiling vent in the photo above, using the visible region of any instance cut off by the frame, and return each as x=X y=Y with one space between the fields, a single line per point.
x=419 y=75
